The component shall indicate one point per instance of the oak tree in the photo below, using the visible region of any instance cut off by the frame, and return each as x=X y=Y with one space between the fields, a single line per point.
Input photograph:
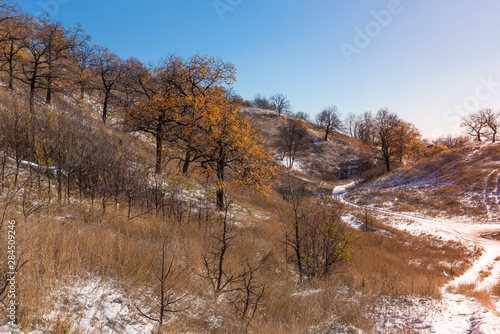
x=492 y=120
x=474 y=125
x=386 y=124
x=293 y=139
x=280 y=103
x=108 y=67
x=329 y=119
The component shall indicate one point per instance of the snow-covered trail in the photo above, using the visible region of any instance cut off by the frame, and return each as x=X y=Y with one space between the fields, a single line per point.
x=460 y=314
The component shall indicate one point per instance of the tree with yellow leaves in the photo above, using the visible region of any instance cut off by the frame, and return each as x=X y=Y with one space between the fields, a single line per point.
x=227 y=141
x=14 y=33
x=170 y=111
x=407 y=136
x=191 y=110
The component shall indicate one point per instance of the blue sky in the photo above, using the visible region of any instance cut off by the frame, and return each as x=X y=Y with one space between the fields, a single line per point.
x=429 y=61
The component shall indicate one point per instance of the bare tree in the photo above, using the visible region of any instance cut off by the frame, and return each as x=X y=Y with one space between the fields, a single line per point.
x=81 y=75
x=214 y=261
x=167 y=298
x=293 y=139
x=350 y=123
x=13 y=39
x=302 y=115
x=246 y=295
x=109 y=68
x=474 y=124
x=365 y=128
x=137 y=83
x=492 y=120
x=261 y=102
x=315 y=232
x=60 y=43
x=293 y=238
x=451 y=141
x=329 y=119
x=280 y=103
x=386 y=124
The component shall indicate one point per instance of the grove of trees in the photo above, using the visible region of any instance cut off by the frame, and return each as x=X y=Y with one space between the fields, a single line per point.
x=277 y=102
x=186 y=105
x=483 y=123
x=394 y=137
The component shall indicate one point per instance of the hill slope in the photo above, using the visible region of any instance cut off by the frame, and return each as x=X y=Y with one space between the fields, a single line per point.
x=338 y=158
x=463 y=183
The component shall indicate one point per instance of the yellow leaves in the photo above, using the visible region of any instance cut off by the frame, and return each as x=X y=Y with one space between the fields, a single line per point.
x=193 y=105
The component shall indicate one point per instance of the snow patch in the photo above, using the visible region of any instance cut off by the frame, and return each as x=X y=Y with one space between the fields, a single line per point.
x=96 y=306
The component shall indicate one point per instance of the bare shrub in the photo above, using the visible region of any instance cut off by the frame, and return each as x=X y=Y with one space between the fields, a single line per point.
x=214 y=260
x=246 y=294
x=167 y=299
x=292 y=140
x=325 y=241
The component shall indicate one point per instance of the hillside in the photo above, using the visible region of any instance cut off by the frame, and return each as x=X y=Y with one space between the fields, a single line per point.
x=151 y=198
x=118 y=207
x=462 y=183
x=340 y=157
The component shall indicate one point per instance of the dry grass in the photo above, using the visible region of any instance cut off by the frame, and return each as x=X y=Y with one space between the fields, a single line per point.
x=469 y=290
x=403 y=265
x=495 y=290
x=65 y=241
x=68 y=241
x=451 y=184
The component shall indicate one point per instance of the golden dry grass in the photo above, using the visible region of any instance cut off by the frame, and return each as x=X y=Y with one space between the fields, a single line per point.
x=469 y=290
x=65 y=241
x=451 y=183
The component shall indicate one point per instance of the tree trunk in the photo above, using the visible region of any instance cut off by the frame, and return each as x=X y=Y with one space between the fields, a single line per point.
x=220 y=186
x=68 y=189
x=388 y=163
x=48 y=98
x=11 y=73
x=105 y=106
x=326 y=133
x=223 y=250
x=59 y=180
x=4 y=162
x=32 y=94
x=297 y=247
x=187 y=160
x=159 y=148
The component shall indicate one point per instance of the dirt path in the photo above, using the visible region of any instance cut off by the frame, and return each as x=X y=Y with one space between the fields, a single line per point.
x=461 y=314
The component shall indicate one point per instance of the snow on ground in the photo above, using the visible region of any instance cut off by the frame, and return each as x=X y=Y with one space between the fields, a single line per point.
x=91 y=306
x=296 y=165
x=342 y=189
x=306 y=293
x=96 y=306
x=352 y=221
x=455 y=313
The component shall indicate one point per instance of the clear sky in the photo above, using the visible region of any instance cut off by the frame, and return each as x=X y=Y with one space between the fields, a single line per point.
x=429 y=61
